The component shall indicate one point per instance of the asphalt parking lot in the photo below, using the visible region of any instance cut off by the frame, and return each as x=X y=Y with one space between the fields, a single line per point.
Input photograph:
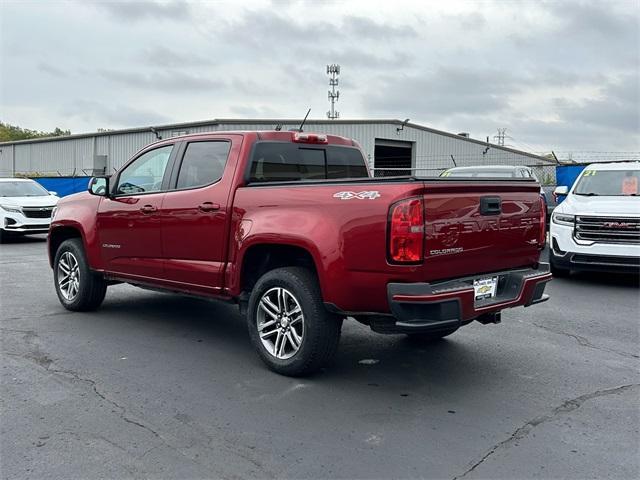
x=162 y=386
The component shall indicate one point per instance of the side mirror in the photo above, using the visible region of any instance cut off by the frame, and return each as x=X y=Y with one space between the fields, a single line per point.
x=51 y=192
x=563 y=190
x=99 y=186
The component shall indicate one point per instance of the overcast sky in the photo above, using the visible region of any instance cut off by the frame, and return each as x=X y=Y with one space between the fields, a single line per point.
x=558 y=75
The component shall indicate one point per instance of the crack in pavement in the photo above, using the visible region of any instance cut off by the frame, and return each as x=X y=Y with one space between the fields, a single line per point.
x=565 y=407
x=584 y=342
x=43 y=361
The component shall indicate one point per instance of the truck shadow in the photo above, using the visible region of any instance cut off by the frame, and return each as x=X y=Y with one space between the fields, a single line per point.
x=388 y=364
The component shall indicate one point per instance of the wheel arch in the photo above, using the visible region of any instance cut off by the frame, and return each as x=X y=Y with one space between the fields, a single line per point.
x=59 y=234
x=261 y=258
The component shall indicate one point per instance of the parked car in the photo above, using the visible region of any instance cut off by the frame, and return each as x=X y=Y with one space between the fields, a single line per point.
x=597 y=227
x=292 y=228
x=501 y=171
x=25 y=207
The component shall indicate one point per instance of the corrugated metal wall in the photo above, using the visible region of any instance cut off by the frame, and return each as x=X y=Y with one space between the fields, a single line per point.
x=432 y=151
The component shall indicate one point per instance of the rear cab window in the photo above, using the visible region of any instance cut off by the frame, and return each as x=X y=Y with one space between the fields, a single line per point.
x=284 y=161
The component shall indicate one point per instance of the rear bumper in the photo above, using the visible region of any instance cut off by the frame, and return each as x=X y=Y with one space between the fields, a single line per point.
x=439 y=305
x=596 y=263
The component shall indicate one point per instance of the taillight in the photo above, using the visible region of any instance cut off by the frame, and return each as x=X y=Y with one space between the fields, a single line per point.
x=309 y=138
x=542 y=240
x=406 y=231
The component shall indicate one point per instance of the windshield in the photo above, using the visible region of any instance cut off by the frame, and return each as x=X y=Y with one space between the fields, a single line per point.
x=616 y=183
x=21 y=189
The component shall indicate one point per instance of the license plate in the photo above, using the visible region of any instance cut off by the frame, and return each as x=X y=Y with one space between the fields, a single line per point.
x=485 y=288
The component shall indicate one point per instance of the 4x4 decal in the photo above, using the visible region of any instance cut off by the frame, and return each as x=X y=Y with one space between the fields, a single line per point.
x=369 y=194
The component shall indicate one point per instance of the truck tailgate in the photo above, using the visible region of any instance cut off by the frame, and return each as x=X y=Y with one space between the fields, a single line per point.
x=483 y=226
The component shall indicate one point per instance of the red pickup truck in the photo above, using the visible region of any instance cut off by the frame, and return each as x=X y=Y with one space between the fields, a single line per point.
x=292 y=228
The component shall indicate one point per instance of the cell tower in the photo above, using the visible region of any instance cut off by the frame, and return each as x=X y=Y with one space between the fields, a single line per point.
x=500 y=136
x=333 y=71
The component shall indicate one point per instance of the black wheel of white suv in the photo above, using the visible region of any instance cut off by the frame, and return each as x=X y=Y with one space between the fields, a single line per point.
x=78 y=288
x=557 y=271
x=288 y=324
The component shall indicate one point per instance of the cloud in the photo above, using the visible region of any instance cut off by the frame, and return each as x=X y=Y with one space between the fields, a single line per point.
x=51 y=70
x=617 y=109
x=266 y=28
x=166 y=57
x=557 y=74
x=140 y=10
x=103 y=115
x=175 y=81
x=445 y=90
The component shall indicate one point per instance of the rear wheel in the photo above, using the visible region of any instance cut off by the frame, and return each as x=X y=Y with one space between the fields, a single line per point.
x=288 y=324
x=78 y=288
x=431 y=336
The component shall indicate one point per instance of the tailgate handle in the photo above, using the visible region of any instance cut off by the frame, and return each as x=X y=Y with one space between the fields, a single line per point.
x=490 y=206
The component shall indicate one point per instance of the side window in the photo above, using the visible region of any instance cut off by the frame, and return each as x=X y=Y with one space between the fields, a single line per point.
x=203 y=163
x=145 y=174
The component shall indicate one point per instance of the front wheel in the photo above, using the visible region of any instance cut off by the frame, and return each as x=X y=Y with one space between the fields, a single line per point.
x=288 y=324
x=78 y=288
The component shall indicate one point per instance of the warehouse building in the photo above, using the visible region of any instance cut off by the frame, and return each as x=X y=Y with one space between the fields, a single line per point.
x=392 y=147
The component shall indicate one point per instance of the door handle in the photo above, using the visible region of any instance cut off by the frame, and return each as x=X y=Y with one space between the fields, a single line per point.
x=149 y=209
x=208 y=207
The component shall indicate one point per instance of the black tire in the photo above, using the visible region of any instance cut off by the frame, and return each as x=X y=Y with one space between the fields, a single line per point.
x=321 y=330
x=91 y=287
x=3 y=236
x=557 y=271
x=428 y=337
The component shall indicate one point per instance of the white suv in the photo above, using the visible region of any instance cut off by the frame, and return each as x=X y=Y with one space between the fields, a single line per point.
x=25 y=207
x=597 y=227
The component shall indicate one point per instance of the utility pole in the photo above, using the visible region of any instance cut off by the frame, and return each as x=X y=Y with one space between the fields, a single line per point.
x=333 y=71
x=500 y=136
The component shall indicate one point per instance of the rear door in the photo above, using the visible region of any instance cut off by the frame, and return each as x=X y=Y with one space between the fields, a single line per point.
x=196 y=211
x=128 y=224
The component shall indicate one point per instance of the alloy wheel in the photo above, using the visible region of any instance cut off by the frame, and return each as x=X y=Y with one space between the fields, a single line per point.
x=68 y=276
x=280 y=323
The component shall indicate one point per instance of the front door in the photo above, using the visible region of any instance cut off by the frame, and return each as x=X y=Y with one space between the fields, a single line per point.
x=128 y=224
x=196 y=213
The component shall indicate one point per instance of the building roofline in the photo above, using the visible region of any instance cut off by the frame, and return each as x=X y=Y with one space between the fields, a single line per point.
x=273 y=122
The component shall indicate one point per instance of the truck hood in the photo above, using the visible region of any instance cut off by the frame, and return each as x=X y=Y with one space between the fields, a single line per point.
x=40 y=201
x=626 y=206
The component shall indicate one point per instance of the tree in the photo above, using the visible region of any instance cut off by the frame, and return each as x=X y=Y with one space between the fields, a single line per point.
x=9 y=133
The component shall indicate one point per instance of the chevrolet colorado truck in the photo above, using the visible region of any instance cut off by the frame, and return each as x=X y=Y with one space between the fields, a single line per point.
x=292 y=228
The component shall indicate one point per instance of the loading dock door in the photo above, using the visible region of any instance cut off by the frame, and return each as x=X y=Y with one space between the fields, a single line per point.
x=392 y=158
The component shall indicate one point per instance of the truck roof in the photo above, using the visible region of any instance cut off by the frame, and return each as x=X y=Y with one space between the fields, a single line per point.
x=274 y=136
